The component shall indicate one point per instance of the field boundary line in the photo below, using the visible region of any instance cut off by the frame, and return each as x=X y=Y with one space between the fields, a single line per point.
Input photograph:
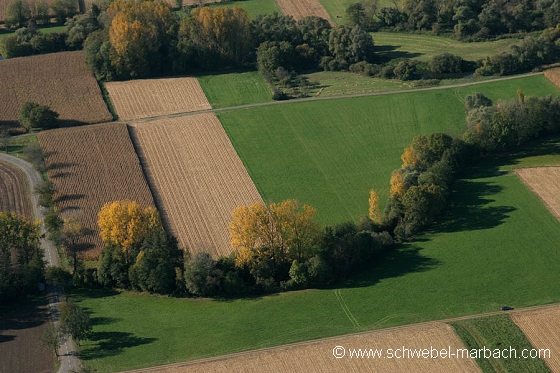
x=345 y=308
x=335 y=338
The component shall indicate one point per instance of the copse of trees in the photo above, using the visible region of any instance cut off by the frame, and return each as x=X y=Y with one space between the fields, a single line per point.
x=18 y=12
x=35 y=116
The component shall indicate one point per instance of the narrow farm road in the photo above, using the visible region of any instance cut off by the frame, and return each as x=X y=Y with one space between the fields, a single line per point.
x=67 y=352
x=320 y=98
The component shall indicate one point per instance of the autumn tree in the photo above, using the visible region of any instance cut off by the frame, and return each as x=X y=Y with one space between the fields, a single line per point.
x=397 y=184
x=375 y=213
x=126 y=224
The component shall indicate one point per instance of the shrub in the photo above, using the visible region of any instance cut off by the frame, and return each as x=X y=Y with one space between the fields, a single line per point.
x=33 y=116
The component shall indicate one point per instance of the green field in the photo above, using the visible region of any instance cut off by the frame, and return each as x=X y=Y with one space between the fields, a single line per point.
x=329 y=154
x=44 y=30
x=498 y=332
x=233 y=89
x=424 y=47
x=337 y=8
x=253 y=7
x=497 y=246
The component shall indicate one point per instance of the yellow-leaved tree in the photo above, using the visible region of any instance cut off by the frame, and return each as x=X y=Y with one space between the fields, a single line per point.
x=126 y=224
x=397 y=184
x=409 y=156
x=375 y=213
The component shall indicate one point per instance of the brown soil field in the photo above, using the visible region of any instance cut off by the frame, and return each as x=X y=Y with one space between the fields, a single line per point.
x=21 y=330
x=196 y=177
x=545 y=183
x=59 y=80
x=541 y=329
x=318 y=356
x=302 y=8
x=90 y=166
x=14 y=191
x=553 y=75
x=146 y=98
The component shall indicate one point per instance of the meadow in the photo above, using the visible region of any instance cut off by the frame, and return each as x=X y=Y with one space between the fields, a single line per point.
x=337 y=8
x=253 y=7
x=45 y=30
x=233 y=89
x=495 y=245
x=329 y=154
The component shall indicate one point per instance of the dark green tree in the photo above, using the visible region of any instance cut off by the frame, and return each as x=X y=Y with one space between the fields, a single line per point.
x=33 y=116
x=75 y=321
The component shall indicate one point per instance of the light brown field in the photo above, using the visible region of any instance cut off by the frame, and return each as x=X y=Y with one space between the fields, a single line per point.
x=197 y=178
x=553 y=75
x=14 y=191
x=146 y=98
x=302 y=8
x=541 y=329
x=545 y=183
x=318 y=356
x=90 y=166
x=59 y=80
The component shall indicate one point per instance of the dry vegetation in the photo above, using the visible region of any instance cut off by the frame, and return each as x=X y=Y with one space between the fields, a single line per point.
x=136 y=99
x=196 y=177
x=302 y=8
x=545 y=183
x=91 y=166
x=318 y=356
x=553 y=75
x=541 y=329
x=59 y=80
x=14 y=191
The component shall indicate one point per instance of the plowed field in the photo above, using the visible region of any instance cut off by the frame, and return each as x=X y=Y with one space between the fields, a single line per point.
x=541 y=329
x=197 y=178
x=545 y=183
x=59 y=80
x=319 y=356
x=553 y=75
x=136 y=99
x=302 y=8
x=14 y=191
x=91 y=166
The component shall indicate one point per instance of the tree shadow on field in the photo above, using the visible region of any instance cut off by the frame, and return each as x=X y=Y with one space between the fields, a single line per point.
x=389 y=52
x=111 y=344
x=30 y=314
x=70 y=197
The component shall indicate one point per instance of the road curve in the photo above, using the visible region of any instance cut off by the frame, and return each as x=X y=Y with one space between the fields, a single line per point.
x=67 y=352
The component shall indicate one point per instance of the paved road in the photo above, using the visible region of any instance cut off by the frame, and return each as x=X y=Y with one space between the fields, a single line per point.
x=67 y=352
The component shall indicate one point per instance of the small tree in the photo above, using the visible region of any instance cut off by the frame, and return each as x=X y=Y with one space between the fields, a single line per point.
x=34 y=154
x=53 y=338
x=46 y=190
x=17 y=13
x=70 y=235
x=201 y=275
x=375 y=213
x=63 y=9
x=33 y=115
x=75 y=321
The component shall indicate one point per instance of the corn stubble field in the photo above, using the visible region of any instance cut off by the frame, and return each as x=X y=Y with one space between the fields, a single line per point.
x=318 y=356
x=91 y=166
x=137 y=99
x=59 y=80
x=302 y=8
x=14 y=191
x=196 y=176
x=545 y=183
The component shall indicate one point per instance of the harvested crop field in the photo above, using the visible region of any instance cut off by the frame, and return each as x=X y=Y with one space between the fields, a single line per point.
x=302 y=8
x=146 y=98
x=59 y=80
x=540 y=327
x=545 y=183
x=91 y=166
x=553 y=75
x=197 y=178
x=14 y=191
x=318 y=356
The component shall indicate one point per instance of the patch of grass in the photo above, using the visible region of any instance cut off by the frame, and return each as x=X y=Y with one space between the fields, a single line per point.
x=233 y=89
x=498 y=333
x=423 y=47
x=497 y=246
x=45 y=30
x=337 y=8
x=329 y=154
x=253 y=7
x=17 y=144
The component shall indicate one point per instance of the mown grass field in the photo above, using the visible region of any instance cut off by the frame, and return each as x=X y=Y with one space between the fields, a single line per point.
x=495 y=245
x=424 y=47
x=329 y=154
x=233 y=89
x=253 y=7
x=498 y=332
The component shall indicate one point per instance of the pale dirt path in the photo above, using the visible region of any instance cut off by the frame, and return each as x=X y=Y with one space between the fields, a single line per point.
x=67 y=352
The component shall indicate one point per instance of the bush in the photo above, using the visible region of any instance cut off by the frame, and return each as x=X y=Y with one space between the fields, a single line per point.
x=446 y=63
x=202 y=278
x=57 y=276
x=33 y=116
x=365 y=68
x=387 y=72
x=476 y=100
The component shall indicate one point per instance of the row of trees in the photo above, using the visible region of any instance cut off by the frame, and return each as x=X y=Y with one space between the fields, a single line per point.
x=18 y=12
x=467 y=19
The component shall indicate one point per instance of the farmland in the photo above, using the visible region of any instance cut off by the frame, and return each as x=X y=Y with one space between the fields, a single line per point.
x=59 y=80
x=539 y=327
x=318 y=356
x=136 y=99
x=233 y=89
x=545 y=182
x=553 y=75
x=329 y=154
x=197 y=178
x=302 y=8
x=337 y=8
x=495 y=226
x=498 y=332
x=91 y=166
x=253 y=7
x=14 y=191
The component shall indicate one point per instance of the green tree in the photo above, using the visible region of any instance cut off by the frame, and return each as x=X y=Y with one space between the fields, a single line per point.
x=42 y=11
x=202 y=278
x=75 y=321
x=351 y=44
x=52 y=338
x=79 y=28
x=17 y=13
x=33 y=115
x=63 y=9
